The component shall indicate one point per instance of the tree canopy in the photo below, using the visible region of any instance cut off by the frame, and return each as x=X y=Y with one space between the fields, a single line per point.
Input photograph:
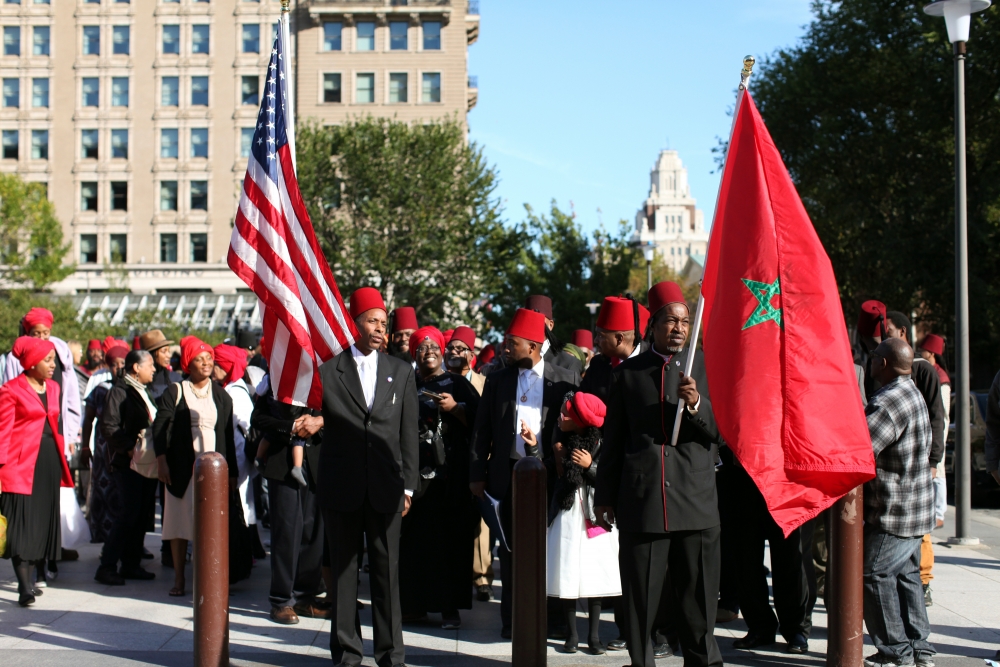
x=862 y=110
x=31 y=237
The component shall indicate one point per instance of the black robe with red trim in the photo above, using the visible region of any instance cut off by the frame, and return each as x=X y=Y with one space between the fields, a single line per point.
x=653 y=487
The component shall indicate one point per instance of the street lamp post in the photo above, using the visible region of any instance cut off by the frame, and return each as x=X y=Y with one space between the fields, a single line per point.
x=649 y=252
x=958 y=17
x=592 y=307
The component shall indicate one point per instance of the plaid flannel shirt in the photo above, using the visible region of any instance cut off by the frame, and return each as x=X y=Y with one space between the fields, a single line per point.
x=900 y=500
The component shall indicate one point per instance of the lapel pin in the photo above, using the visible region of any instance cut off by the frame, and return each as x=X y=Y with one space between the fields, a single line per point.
x=676 y=362
x=390 y=378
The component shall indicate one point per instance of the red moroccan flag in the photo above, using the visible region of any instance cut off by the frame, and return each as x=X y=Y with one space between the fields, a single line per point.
x=778 y=359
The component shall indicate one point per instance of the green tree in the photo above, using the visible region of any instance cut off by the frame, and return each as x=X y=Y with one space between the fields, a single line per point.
x=862 y=112
x=31 y=238
x=409 y=208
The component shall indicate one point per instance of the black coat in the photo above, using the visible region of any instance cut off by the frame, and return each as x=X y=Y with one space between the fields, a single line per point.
x=125 y=416
x=163 y=378
x=928 y=383
x=364 y=453
x=274 y=419
x=172 y=434
x=652 y=487
x=494 y=436
x=563 y=359
x=597 y=380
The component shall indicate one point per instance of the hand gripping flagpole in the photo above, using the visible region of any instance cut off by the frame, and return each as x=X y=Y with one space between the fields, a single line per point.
x=748 y=63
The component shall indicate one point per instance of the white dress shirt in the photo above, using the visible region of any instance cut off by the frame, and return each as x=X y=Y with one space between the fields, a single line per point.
x=529 y=384
x=368 y=372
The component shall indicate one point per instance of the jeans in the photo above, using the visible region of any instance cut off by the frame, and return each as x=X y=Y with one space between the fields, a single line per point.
x=940 y=497
x=893 y=596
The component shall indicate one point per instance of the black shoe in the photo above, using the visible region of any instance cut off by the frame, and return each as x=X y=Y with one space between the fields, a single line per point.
x=37 y=592
x=147 y=554
x=798 y=644
x=617 y=645
x=26 y=600
x=138 y=574
x=662 y=651
x=484 y=593
x=505 y=632
x=109 y=578
x=595 y=646
x=572 y=645
x=753 y=640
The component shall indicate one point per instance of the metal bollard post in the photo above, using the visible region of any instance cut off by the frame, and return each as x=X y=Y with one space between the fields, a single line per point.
x=844 y=584
x=529 y=611
x=211 y=561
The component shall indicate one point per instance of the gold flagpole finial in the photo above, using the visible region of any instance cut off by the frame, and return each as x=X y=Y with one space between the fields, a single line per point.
x=748 y=63
x=284 y=6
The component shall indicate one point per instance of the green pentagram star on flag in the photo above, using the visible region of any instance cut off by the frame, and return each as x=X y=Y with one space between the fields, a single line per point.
x=763 y=292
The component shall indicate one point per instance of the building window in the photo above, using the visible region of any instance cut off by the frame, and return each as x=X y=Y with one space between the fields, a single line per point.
x=432 y=36
x=246 y=141
x=331 y=88
x=120 y=40
x=91 y=40
x=168 y=143
x=91 y=88
x=170 y=91
x=88 y=248
x=397 y=88
x=40 y=93
x=332 y=36
x=39 y=144
x=11 y=93
x=119 y=91
x=251 y=38
x=168 y=248
x=10 y=144
x=119 y=196
x=171 y=39
x=40 y=40
x=199 y=142
x=119 y=144
x=88 y=197
x=250 y=90
x=397 y=35
x=366 y=89
x=199 y=91
x=199 y=248
x=12 y=40
x=168 y=195
x=199 y=195
x=432 y=87
x=118 y=245
x=88 y=144
x=199 y=39
x=366 y=36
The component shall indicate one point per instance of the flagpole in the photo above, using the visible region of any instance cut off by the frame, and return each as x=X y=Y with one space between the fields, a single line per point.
x=286 y=71
x=748 y=63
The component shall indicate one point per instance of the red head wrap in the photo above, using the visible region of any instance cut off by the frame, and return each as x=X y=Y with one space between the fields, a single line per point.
x=30 y=351
x=933 y=344
x=94 y=344
x=191 y=347
x=364 y=299
x=232 y=360
x=37 y=316
x=664 y=294
x=528 y=324
x=110 y=342
x=586 y=410
x=404 y=317
x=584 y=339
x=423 y=333
x=119 y=351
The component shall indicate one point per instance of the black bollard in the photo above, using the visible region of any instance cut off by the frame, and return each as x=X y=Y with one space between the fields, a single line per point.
x=211 y=561
x=529 y=611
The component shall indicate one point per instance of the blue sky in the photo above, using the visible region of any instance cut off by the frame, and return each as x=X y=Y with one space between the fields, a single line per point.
x=577 y=98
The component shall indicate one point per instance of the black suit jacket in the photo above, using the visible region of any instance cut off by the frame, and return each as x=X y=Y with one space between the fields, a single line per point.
x=597 y=380
x=653 y=487
x=124 y=417
x=494 y=436
x=364 y=453
x=563 y=359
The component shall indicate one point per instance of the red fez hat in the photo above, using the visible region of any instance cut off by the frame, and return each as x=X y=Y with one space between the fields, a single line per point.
x=30 y=351
x=583 y=338
x=448 y=333
x=423 y=333
x=404 y=317
x=586 y=410
x=541 y=304
x=136 y=344
x=364 y=299
x=487 y=353
x=528 y=324
x=933 y=343
x=664 y=294
x=616 y=314
x=464 y=334
x=94 y=344
x=871 y=320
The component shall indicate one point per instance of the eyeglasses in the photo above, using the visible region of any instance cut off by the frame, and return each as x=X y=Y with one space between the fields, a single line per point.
x=457 y=349
x=423 y=349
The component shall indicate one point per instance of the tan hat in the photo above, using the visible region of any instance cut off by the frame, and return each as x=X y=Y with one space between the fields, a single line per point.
x=153 y=340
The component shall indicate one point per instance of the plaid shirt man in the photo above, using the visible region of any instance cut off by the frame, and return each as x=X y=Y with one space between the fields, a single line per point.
x=900 y=500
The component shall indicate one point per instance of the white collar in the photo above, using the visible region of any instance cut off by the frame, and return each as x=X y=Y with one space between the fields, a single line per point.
x=635 y=352
x=363 y=358
x=665 y=357
x=538 y=369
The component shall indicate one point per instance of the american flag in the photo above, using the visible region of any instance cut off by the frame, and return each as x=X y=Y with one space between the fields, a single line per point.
x=275 y=252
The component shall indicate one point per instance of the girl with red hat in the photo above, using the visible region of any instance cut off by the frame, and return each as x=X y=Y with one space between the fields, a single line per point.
x=582 y=557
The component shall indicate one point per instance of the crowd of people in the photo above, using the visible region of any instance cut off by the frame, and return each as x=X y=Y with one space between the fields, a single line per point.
x=405 y=474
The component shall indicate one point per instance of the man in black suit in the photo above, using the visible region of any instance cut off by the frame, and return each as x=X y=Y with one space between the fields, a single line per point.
x=663 y=498
x=617 y=336
x=527 y=393
x=553 y=350
x=367 y=473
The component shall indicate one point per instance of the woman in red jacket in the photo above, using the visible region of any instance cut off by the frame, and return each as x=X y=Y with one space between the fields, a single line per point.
x=32 y=467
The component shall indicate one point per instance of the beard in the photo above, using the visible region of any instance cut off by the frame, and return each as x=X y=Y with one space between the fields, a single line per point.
x=675 y=350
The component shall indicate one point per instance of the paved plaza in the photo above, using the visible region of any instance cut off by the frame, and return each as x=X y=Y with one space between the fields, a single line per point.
x=80 y=623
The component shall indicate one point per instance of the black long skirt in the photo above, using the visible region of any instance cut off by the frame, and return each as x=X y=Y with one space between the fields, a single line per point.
x=34 y=530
